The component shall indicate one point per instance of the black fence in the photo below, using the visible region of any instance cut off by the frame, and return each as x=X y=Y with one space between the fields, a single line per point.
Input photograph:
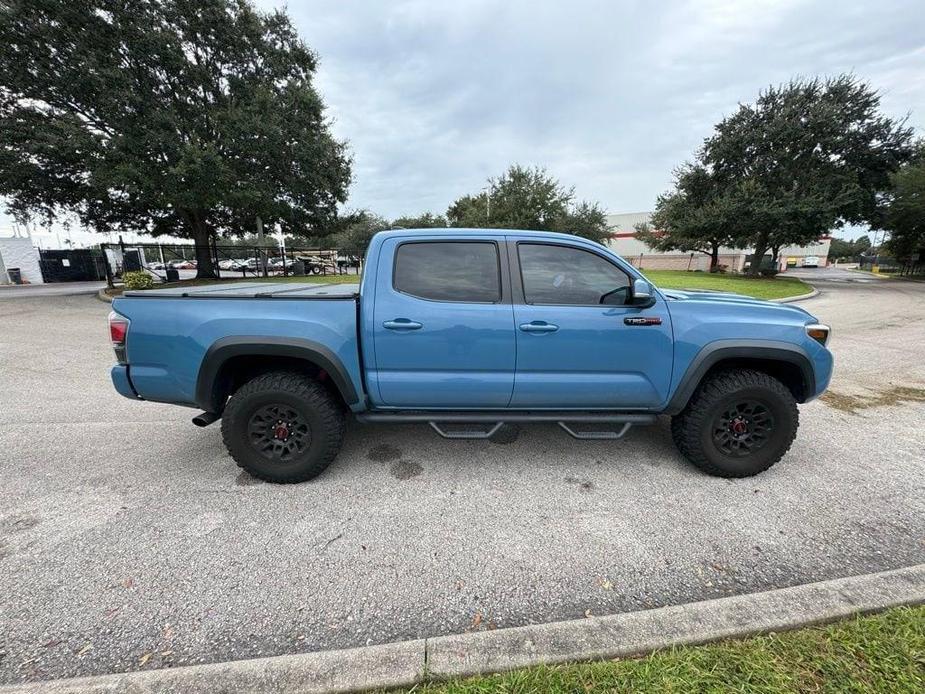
x=76 y=265
x=885 y=263
x=180 y=262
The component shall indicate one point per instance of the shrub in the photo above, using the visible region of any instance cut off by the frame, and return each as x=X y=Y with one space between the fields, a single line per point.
x=137 y=280
x=768 y=271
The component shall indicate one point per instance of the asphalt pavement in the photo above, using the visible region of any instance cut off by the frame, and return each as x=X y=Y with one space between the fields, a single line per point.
x=130 y=540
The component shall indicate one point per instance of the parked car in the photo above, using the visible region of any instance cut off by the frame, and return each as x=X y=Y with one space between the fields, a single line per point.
x=226 y=264
x=279 y=263
x=475 y=328
x=811 y=261
x=245 y=264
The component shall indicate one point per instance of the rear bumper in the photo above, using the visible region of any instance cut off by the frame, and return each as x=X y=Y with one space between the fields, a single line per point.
x=122 y=383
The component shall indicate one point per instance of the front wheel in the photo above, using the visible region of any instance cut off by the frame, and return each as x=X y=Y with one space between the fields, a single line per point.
x=283 y=427
x=738 y=423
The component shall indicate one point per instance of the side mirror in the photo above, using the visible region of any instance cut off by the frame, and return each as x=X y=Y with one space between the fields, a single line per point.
x=642 y=293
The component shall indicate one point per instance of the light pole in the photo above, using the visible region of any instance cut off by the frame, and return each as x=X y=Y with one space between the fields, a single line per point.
x=488 y=190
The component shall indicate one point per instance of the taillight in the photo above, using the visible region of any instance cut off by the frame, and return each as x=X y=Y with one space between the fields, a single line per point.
x=118 y=331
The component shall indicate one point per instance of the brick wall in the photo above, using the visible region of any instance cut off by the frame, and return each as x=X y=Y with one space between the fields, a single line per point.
x=669 y=261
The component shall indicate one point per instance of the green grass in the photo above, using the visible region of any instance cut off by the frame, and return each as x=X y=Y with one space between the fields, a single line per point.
x=760 y=287
x=322 y=279
x=880 y=653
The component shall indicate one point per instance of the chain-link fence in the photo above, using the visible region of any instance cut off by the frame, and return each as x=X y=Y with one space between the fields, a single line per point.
x=181 y=262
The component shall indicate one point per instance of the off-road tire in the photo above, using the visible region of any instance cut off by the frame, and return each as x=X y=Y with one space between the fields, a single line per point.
x=693 y=429
x=311 y=403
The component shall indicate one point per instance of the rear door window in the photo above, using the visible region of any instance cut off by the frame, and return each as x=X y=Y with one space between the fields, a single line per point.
x=462 y=271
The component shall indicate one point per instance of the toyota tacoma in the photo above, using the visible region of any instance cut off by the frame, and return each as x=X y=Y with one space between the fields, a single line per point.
x=468 y=329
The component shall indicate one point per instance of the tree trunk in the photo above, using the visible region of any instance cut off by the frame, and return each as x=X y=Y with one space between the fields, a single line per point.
x=205 y=269
x=761 y=247
x=775 y=256
x=714 y=257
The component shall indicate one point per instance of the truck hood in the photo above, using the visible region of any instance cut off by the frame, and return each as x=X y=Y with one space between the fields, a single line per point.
x=726 y=298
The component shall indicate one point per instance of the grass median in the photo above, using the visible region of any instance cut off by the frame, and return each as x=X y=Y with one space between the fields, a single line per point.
x=779 y=287
x=879 y=653
x=760 y=288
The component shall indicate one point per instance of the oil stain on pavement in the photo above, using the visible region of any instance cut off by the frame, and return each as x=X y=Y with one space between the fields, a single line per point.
x=405 y=469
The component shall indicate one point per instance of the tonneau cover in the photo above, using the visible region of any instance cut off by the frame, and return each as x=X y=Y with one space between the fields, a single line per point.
x=256 y=290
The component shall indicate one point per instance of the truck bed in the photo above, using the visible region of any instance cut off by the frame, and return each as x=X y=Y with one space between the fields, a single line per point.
x=173 y=330
x=255 y=290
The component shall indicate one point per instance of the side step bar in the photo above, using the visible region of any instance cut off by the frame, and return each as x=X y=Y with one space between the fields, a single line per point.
x=498 y=418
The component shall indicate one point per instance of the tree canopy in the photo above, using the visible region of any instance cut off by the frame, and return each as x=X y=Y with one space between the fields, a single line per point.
x=181 y=117
x=806 y=157
x=842 y=249
x=529 y=198
x=697 y=216
x=905 y=218
x=426 y=220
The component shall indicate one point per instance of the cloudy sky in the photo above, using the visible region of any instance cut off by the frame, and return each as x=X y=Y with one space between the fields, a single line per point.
x=434 y=97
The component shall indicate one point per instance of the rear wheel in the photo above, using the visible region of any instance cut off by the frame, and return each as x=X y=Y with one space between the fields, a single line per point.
x=283 y=427
x=737 y=424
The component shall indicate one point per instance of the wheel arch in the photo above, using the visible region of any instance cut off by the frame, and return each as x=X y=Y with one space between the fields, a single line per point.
x=231 y=361
x=788 y=363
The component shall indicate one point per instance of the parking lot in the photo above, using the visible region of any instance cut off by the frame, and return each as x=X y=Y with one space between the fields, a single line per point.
x=130 y=540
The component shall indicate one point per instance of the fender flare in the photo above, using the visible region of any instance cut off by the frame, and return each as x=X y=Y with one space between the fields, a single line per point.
x=258 y=345
x=722 y=350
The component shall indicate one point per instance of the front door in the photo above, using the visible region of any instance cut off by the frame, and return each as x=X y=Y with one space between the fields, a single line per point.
x=443 y=325
x=579 y=343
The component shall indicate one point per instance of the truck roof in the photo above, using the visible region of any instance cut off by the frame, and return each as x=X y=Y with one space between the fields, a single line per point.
x=480 y=232
x=255 y=290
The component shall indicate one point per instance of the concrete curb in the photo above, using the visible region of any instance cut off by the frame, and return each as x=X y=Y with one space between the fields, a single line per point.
x=799 y=297
x=103 y=296
x=406 y=663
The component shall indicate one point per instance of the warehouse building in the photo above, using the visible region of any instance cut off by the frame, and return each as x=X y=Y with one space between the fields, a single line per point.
x=623 y=241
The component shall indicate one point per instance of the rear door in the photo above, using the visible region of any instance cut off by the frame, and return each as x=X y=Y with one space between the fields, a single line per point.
x=579 y=343
x=443 y=324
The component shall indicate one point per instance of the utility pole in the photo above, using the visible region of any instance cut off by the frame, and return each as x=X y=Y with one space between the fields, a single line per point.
x=261 y=242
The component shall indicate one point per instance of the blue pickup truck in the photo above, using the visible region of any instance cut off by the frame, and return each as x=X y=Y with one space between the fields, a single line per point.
x=468 y=329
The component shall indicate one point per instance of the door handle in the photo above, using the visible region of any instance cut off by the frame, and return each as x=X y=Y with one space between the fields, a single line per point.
x=402 y=324
x=538 y=327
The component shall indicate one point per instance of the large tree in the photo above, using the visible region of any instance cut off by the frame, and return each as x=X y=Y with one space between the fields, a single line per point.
x=181 y=117
x=529 y=198
x=812 y=155
x=358 y=228
x=905 y=217
x=696 y=216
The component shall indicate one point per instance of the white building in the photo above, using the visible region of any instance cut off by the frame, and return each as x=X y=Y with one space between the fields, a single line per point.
x=18 y=252
x=623 y=241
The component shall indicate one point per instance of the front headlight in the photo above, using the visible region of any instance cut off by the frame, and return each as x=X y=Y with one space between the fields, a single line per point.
x=819 y=332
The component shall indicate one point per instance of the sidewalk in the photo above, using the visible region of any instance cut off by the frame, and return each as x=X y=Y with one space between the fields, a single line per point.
x=26 y=291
